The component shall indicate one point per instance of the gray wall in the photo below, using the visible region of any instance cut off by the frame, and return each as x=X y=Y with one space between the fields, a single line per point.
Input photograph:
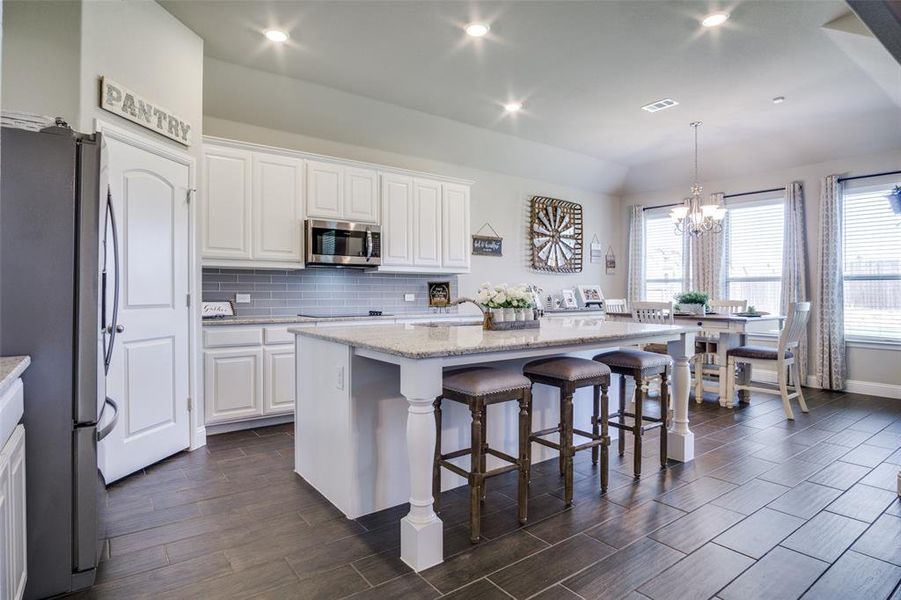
x=320 y=291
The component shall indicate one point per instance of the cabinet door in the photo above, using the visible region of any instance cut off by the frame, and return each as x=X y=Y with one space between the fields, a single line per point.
x=325 y=190
x=455 y=226
x=6 y=542
x=17 y=532
x=278 y=380
x=397 y=220
x=277 y=208
x=426 y=223
x=361 y=195
x=226 y=203
x=233 y=384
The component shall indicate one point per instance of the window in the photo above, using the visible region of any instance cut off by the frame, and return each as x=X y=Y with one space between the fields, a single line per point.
x=872 y=265
x=754 y=252
x=663 y=257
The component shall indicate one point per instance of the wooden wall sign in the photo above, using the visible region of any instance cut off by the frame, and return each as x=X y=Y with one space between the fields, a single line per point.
x=555 y=228
x=120 y=100
x=487 y=245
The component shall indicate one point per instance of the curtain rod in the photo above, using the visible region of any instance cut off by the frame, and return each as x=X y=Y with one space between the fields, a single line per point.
x=643 y=208
x=778 y=189
x=868 y=176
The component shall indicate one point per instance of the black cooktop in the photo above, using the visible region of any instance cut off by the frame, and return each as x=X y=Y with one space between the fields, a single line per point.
x=322 y=315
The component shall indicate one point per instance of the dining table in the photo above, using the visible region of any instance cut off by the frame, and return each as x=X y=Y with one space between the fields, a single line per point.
x=724 y=331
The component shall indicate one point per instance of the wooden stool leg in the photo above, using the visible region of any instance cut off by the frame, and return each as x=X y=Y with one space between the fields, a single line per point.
x=636 y=428
x=594 y=423
x=475 y=473
x=622 y=411
x=561 y=429
x=525 y=427
x=664 y=402
x=484 y=464
x=436 y=469
x=566 y=445
x=605 y=436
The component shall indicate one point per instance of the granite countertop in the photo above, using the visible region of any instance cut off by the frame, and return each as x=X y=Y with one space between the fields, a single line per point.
x=11 y=368
x=710 y=317
x=296 y=319
x=424 y=341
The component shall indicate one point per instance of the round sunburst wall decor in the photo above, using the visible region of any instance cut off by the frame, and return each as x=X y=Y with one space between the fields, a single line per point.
x=555 y=228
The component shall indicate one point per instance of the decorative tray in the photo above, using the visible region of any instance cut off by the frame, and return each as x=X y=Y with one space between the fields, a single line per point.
x=511 y=325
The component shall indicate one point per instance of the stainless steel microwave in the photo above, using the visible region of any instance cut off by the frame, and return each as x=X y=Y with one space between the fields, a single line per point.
x=342 y=244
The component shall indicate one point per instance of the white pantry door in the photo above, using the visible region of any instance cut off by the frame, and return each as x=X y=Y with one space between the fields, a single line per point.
x=149 y=376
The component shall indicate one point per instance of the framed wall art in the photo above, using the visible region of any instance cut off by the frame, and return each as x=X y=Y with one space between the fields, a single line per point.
x=555 y=230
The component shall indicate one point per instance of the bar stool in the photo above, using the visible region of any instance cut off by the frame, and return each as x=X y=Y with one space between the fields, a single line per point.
x=478 y=388
x=569 y=373
x=640 y=366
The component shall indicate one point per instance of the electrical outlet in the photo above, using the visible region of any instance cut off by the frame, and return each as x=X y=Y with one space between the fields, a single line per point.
x=409 y=297
x=242 y=298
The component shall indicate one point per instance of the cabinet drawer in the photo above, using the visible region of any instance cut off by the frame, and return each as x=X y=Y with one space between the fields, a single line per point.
x=222 y=337
x=277 y=335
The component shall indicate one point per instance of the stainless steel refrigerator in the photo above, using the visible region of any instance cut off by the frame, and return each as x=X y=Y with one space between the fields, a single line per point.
x=53 y=265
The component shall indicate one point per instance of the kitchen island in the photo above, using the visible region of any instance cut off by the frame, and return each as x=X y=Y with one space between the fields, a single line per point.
x=364 y=424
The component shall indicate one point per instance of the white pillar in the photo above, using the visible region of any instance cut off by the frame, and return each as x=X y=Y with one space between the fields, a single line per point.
x=421 y=531
x=680 y=440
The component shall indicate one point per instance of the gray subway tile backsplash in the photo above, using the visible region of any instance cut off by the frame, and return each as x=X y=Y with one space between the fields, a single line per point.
x=323 y=291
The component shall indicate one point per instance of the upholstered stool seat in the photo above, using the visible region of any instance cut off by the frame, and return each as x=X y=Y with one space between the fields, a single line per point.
x=478 y=388
x=566 y=368
x=569 y=373
x=477 y=381
x=634 y=359
x=640 y=366
x=758 y=352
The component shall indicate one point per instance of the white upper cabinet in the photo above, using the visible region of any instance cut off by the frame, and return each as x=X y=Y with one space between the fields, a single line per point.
x=277 y=208
x=325 y=190
x=397 y=219
x=426 y=223
x=227 y=210
x=361 y=195
x=455 y=245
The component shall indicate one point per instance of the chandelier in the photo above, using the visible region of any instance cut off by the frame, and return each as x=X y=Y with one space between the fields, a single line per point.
x=692 y=217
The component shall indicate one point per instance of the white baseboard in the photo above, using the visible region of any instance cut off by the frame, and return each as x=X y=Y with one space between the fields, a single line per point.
x=249 y=424
x=870 y=388
x=199 y=440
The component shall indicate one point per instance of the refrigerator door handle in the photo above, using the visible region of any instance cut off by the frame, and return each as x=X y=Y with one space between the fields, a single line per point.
x=113 y=328
x=105 y=431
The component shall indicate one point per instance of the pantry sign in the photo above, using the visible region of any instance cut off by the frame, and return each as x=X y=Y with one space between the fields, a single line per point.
x=120 y=100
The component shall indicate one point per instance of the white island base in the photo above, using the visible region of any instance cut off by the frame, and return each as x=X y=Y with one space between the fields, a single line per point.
x=365 y=429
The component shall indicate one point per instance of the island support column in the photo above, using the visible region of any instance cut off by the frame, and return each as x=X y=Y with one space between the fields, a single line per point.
x=680 y=440
x=421 y=531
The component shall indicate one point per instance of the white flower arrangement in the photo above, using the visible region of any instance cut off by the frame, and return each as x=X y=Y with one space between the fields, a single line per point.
x=503 y=296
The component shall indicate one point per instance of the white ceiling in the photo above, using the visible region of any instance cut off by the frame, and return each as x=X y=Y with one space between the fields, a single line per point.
x=583 y=69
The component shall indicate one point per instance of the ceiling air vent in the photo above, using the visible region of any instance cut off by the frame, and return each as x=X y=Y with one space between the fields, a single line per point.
x=659 y=105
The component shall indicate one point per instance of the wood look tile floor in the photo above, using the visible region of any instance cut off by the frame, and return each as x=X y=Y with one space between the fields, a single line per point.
x=769 y=509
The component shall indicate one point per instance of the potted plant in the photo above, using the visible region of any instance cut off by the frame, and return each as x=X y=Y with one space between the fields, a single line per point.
x=506 y=303
x=894 y=200
x=694 y=303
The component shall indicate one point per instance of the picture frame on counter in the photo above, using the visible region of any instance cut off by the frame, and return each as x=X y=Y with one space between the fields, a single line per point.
x=214 y=310
x=568 y=299
x=591 y=295
x=439 y=293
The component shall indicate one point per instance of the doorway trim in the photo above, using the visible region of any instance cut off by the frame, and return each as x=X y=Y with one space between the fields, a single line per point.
x=197 y=427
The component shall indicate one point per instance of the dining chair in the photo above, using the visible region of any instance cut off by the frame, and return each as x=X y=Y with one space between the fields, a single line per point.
x=783 y=357
x=724 y=307
x=653 y=313
x=616 y=305
x=705 y=362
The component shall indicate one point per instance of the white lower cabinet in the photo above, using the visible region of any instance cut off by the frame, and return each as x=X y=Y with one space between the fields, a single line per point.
x=13 y=567
x=248 y=373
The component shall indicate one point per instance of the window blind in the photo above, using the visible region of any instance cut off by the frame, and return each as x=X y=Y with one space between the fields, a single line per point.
x=872 y=265
x=663 y=258
x=754 y=252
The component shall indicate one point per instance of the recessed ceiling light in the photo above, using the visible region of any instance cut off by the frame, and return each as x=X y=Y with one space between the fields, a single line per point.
x=715 y=19
x=478 y=30
x=512 y=107
x=276 y=36
x=778 y=99
x=660 y=105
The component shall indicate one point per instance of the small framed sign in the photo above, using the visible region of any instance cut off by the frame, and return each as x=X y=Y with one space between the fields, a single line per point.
x=610 y=261
x=591 y=295
x=487 y=245
x=439 y=293
x=211 y=310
